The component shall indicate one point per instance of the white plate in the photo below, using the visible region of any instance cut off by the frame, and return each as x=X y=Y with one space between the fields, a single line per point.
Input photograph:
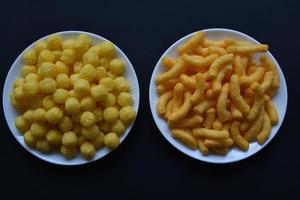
x=280 y=100
x=11 y=113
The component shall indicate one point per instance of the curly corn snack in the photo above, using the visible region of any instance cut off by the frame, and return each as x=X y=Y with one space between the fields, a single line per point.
x=214 y=95
x=73 y=96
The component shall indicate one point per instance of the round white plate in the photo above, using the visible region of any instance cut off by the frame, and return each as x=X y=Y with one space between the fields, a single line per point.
x=280 y=100
x=11 y=113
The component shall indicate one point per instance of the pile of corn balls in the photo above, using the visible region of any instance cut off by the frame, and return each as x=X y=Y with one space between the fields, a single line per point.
x=73 y=96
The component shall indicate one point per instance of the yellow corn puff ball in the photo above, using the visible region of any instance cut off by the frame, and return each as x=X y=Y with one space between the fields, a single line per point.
x=38 y=130
x=43 y=146
x=46 y=56
x=48 y=102
x=63 y=81
x=106 y=49
x=82 y=87
x=36 y=102
x=87 y=119
x=21 y=124
x=121 y=84
x=29 y=139
x=127 y=114
x=54 y=42
x=66 y=124
x=68 y=56
x=27 y=69
x=100 y=73
x=39 y=115
x=82 y=43
x=77 y=66
x=68 y=152
x=110 y=114
x=32 y=77
x=15 y=103
x=39 y=46
x=111 y=140
x=99 y=92
x=28 y=115
x=54 y=137
x=90 y=57
x=118 y=127
x=67 y=44
x=98 y=114
x=47 y=85
x=72 y=105
x=87 y=103
x=54 y=115
x=74 y=78
x=18 y=94
x=109 y=83
x=87 y=150
x=61 y=67
x=104 y=62
x=69 y=139
x=30 y=57
x=99 y=141
x=88 y=72
x=18 y=82
x=109 y=101
x=125 y=99
x=91 y=132
x=31 y=88
x=47 y=69
x=117 y=66
x=60 y=95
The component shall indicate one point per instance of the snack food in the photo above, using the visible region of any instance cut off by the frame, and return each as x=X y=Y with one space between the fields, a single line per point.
x=214 y=95
x=72 y=96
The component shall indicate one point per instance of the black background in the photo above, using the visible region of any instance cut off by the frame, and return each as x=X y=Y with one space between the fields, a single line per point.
x=146 y=166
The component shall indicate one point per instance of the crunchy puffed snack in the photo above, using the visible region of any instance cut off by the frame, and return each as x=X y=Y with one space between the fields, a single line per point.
x=214 y=95
x=72 y=96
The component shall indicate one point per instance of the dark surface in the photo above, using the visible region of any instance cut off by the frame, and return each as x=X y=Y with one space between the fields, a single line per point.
x=146 y=166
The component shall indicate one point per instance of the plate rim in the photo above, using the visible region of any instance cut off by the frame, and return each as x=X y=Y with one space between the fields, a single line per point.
x=41 y=155
x=201 y=157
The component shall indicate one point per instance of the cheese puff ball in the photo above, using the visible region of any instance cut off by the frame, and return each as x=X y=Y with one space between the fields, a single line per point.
x=77 y=66
x=109 y=101
x=87 y=119
x=63 y=81
x=36 y=102
x=48 y=102
x=54 y=115
x=76 y=116
x=87 y=103
x=43 y=146
x=106 y=49
x=104 y=62
x=121 y=84
x=18 y=82
x=21 y=124
x=105 y=126
x=109 y=83
x=72 y=105
x=90 y=57
x=111 y=75
x=125 y=99
x=110 y=114
x=91 y=132
x=74 y=94
x=99 y=92
x=77 y=128
x=111 y=140
x=118 y=127
x=100 y=73
x=68 y=56
x=127 y=114
x=82 y=87
x=29 y=139
x=68 y=44
x=15 y=103
x=82 y=43
x=87 y=150
x=38 y=130
x=39 y=46
x=19 y=94
x=54 y=42
x=30 y=57
x=61 y=67
x=27 y=69
x=99 y=141
x=117 y=66
x=47 y=85
x=66 y=124
x=68 y=152
x=47 y=69
x=53 y=137
x=87 y=72
x=74 y=78
x=39 y=115
x=98 y=114
x=46 y=56
x=31 y=88
x=28 y=115
x=32 y=76
x=69 y=139
x=57 y=54
x=60 y=95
